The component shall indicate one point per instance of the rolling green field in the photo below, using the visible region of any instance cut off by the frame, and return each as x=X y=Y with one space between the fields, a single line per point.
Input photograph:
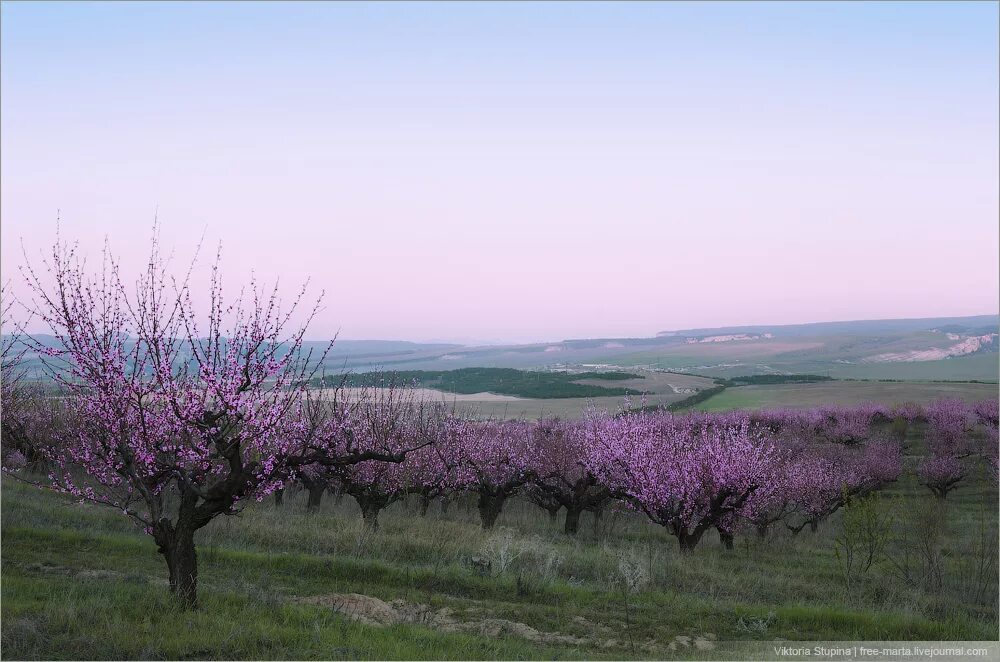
x=844 y=393
x=80 y=581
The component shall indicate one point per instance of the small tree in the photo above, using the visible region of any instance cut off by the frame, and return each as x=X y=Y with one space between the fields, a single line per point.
x=941 y=474
x=563 y=477
x=822 y=478
x=494 y=459
x=687 y=475
x=27 y=419
x=863 y=537
x=849 y=425
x=951 y=437
x=390 y=416
x=543 y=500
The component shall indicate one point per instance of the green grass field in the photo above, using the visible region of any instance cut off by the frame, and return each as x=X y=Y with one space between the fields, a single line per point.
x=81 y=582
x=843 y=393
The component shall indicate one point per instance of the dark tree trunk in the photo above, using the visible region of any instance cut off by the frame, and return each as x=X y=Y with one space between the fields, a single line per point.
x=726 y=538
x=425 y=503
x=553 y=513
x=572 y=520
x=940 y=493
x=177 y=547
x=445 y=504
x=315 y=497
x=762 y=531
x=369 y=513
x=814 y=525
x=490 y=505
x=598 y=515
x=279 y=497
x=688 y=540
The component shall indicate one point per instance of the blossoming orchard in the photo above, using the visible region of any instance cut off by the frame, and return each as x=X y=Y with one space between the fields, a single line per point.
x=175 y=416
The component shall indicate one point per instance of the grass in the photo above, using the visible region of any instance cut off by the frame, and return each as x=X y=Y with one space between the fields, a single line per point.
x=843 y=392
x=81 y=581
x=126 y=620
x=980 y=366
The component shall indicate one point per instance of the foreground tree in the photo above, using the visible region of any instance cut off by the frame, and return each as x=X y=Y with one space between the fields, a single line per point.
x=176 y=423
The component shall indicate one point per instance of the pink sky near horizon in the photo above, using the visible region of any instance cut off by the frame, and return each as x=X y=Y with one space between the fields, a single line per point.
x=439 y=185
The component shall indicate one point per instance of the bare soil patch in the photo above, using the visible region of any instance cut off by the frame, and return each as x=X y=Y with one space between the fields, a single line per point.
x=373 y=611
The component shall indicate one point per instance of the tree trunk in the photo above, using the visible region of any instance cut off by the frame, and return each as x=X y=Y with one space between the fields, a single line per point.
x=315 y=497
x=726 y=538
x=688 y=541
x=178 y=549
x=445 y=504
x=553 y=513
x=425 y=503
x=598 y=515
x=814 y=525
x=572 y=520
x=369 y=513
x=490 y=505
x=279 y=497
x=762 y=531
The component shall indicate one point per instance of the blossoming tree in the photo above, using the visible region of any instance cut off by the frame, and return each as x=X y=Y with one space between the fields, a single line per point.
x=687 y=476
x=493 y=459
x=179 y=418
x=563 y=479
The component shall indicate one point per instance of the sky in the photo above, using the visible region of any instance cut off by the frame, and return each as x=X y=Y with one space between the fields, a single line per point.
x=520 y=171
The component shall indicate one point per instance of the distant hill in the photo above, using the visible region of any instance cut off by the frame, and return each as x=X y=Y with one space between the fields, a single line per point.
x=948 y=348
x=978 y=324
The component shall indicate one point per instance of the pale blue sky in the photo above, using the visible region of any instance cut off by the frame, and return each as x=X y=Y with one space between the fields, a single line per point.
x=524 y=171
